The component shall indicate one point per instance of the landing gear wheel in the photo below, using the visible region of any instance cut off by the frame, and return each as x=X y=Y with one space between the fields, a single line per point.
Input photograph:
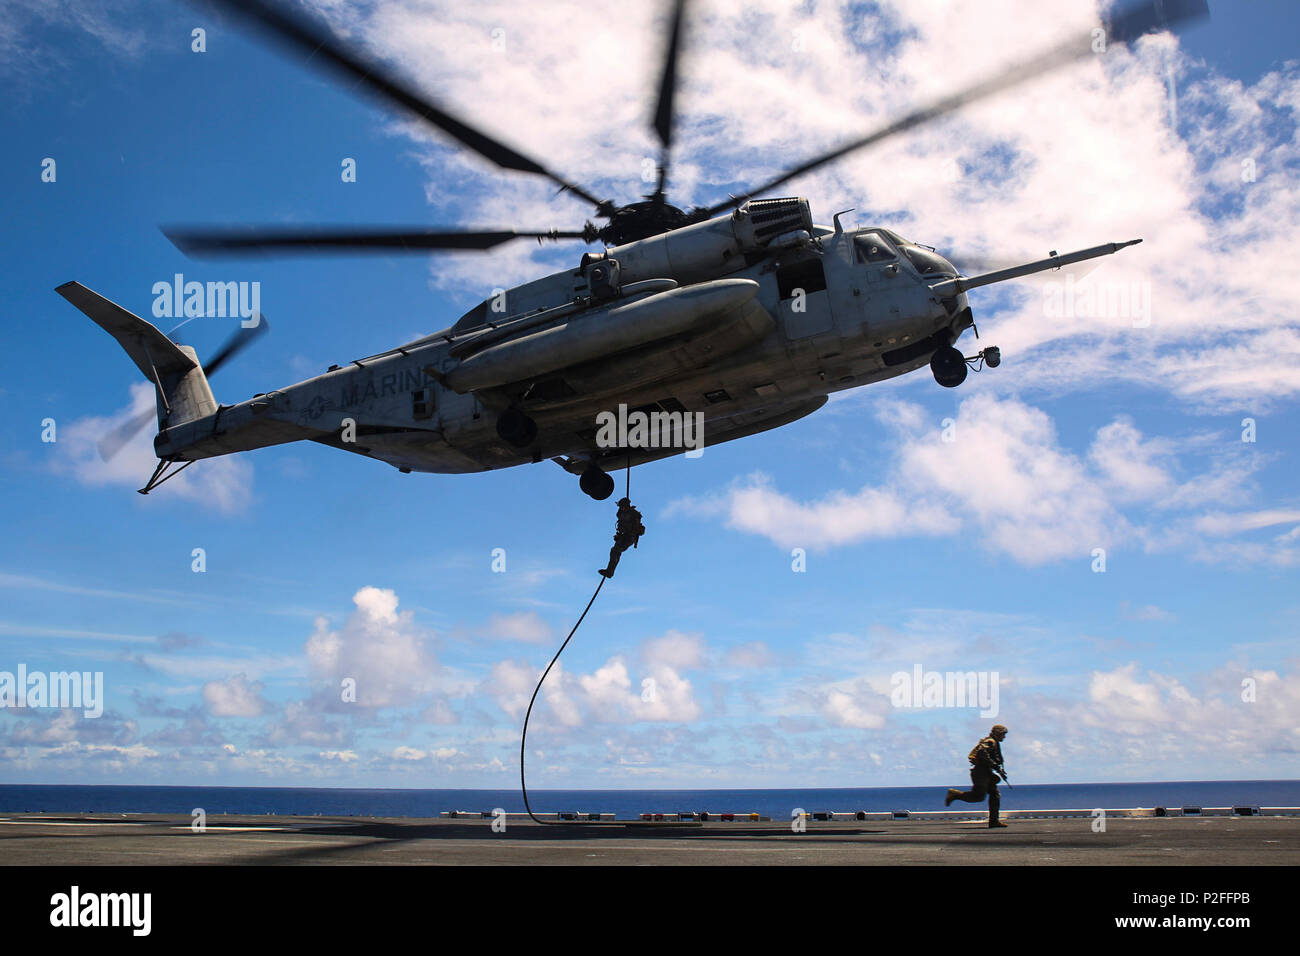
x=516 y=428
x=948 y=366
x=596 y=484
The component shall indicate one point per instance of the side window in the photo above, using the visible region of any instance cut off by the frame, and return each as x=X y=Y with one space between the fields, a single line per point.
x=870 y=248
x=422 y=404
x=807 y=275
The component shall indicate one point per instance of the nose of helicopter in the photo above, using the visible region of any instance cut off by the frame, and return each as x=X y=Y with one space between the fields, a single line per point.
x=941 y=264
x=929 y=263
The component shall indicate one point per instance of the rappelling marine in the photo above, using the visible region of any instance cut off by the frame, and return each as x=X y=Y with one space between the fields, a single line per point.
x=627 y=533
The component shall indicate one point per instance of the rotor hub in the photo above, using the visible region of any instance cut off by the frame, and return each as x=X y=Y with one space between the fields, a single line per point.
x=640 y=220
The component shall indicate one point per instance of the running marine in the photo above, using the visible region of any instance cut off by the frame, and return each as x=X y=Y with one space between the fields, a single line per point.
x=986 y=769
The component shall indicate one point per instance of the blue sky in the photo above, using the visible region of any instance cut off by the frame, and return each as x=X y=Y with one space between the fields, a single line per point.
x=974 y=554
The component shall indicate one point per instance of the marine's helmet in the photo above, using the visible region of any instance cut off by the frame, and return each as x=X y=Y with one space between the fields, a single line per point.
x=998 y=731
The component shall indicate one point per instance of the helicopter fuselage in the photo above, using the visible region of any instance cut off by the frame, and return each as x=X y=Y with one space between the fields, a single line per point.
x=743 y=339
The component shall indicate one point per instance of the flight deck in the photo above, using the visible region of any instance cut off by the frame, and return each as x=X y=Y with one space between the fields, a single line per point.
x=472 y=839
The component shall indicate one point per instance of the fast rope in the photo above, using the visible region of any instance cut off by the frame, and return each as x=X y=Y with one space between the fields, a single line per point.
x=523 y=740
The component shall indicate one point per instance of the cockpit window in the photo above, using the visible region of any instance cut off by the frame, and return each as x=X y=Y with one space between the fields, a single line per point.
x=869 y=247
x=927 y=262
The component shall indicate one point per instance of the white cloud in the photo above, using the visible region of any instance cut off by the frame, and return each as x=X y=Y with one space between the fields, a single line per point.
x=224 y=484
x=511 y=684
x=341 y=756
x=752 y=504
x=1148 y=612
x=236 y=696
x=69 y=727
x=134 y=754
x=1119 y=698
x=413 y=755
x=300 y=724
x=525 y=626
x=383 y=650
x=1220 y=524
x=852 y=703
x=1134 y=469
x=22 y=56
x=191 y=666
x=1005 y=474
x=611 y=693
x=608 y=690
x=670 y=697
x=1238 y=710
x=674 y=649
x=440 y=712
x=749 y=654
x=1030 y=498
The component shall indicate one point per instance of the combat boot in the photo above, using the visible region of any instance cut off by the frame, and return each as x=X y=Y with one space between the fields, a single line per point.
x=952 y=795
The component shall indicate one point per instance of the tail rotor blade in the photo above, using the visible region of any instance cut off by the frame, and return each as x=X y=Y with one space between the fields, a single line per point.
x=111 y=444
x=116 y=440
x=242 y=339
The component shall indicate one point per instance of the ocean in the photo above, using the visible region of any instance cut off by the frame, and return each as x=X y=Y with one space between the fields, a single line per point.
x=626 y=804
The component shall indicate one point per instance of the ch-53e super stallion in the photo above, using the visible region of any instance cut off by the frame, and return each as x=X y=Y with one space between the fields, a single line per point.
x=745 y=314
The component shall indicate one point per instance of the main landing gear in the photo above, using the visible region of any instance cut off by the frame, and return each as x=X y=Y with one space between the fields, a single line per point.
x=592 y=479
x=950 y=366
x=517 y=429
x=596 y=484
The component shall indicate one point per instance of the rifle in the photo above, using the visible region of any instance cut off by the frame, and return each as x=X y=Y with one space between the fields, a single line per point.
x=1003 y=774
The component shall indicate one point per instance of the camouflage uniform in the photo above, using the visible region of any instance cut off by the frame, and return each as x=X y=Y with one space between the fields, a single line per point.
x=627 y=533
x=986 y=768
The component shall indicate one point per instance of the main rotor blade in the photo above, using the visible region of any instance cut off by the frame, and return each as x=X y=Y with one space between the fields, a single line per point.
x=1149 y=16
x=663 y=119
x=232 y=242
x=298 y=33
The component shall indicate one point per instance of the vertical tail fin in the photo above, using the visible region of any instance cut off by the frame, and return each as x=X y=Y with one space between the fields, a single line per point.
x=183 y=390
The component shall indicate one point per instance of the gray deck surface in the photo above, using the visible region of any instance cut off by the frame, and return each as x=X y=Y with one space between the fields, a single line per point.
x=97 y=839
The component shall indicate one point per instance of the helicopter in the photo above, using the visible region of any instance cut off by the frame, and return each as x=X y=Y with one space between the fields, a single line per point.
x=742 y=316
